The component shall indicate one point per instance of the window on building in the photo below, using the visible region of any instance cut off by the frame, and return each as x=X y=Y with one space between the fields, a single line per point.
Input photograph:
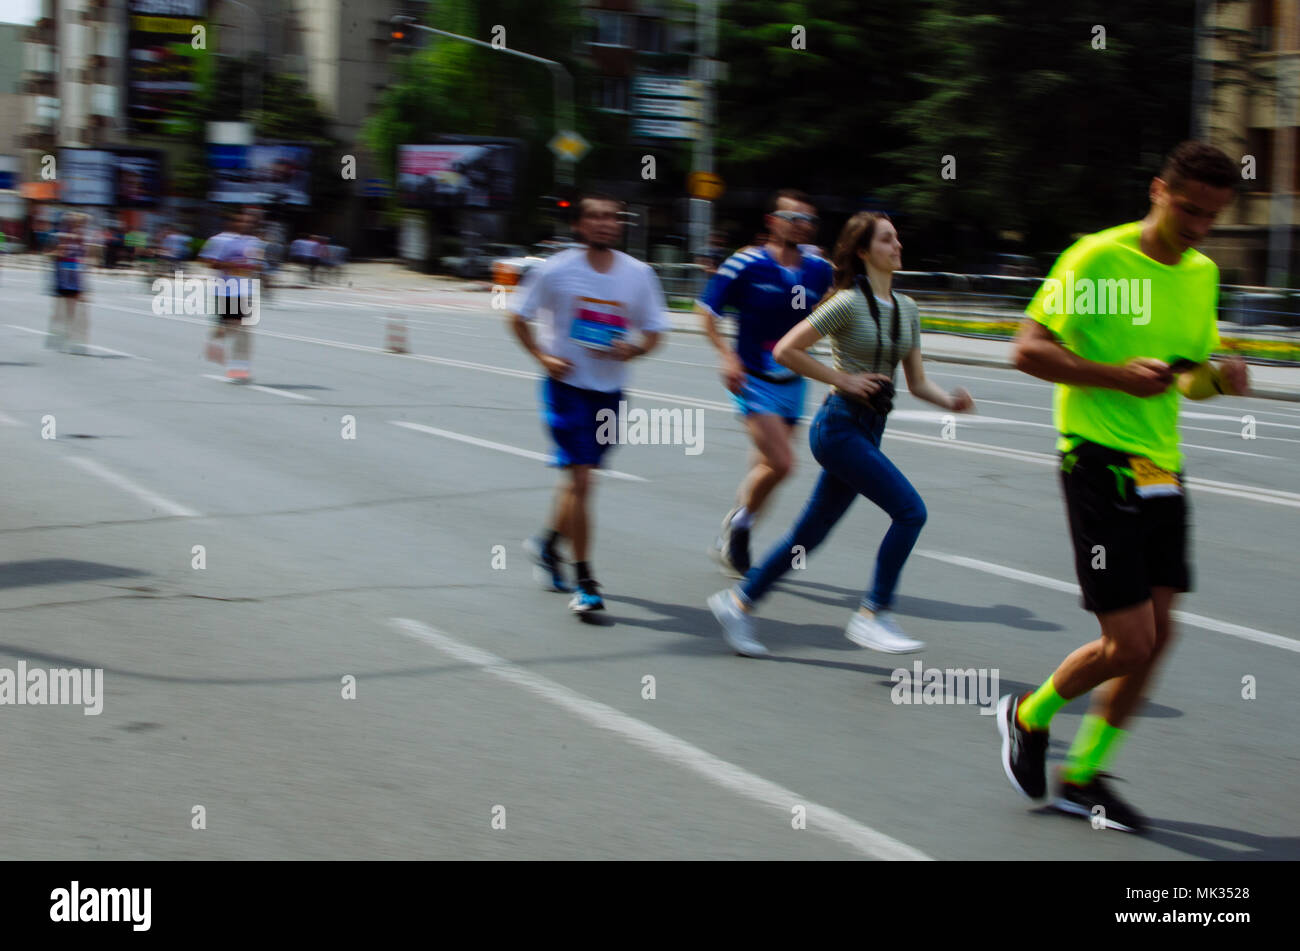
x=611 y=93
x=610 y=28
x=1261 y=144
x=650 y=38
x=1262 y=25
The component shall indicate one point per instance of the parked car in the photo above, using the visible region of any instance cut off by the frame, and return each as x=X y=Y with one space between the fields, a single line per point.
x=509 y=271
x=478 y=263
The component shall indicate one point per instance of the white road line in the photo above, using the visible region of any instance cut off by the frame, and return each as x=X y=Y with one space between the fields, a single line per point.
x=1069 y=587
x=139 y=491
x=90 y=346
x=264 y=389
x=1232 y=452
x=673 y=749
x=1184 y=414
x=1255 y=493
x=1234 y=490
x=502 y=447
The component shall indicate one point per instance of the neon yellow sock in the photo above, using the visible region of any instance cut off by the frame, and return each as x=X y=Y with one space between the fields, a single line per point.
x=1094 y=745
x=1036 y=710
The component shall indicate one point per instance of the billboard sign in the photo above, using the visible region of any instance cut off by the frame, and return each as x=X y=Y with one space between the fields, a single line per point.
x=260 y=174
x=478 y=175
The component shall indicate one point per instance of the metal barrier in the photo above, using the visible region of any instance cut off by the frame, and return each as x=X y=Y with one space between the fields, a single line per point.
x=681 y=281
x=996 y=297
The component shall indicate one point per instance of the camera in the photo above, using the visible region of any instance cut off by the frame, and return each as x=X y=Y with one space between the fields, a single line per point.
x=882 y=401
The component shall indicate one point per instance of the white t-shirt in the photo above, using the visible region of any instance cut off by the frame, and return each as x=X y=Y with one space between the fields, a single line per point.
x=239 y=250
x=580 y=310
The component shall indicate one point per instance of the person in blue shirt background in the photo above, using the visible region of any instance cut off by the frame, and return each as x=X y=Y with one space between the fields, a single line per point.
x=770 y=288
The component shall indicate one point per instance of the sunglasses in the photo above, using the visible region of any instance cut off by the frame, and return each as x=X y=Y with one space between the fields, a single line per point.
x=795 y=216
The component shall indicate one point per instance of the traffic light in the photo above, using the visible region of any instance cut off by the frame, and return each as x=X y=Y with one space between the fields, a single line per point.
x=399 y=32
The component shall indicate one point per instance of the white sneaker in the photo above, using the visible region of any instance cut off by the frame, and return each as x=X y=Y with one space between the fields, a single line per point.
x=881 y=633
x=737 y=627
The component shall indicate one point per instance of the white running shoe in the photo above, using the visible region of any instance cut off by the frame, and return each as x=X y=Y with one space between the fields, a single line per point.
x=881 y=633
x=737 y=627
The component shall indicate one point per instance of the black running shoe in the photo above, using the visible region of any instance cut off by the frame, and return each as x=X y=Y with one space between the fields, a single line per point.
x=738 y=549
x=548 y=570
x=1097 y=802
x=1024 y=752
x=587 y=598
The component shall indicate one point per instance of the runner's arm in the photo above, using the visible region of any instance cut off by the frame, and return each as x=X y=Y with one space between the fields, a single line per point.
x=709 y=323
x=554 y=366
x=920 y=386
x=1215 y=378
x=792 y=351
x=1039 y=353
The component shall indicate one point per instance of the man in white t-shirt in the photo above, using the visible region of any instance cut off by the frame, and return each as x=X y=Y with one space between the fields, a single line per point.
x=588 y=303
x=238 y=257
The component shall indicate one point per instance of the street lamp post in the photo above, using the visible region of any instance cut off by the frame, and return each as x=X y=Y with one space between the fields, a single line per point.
x=257 y=75
x=561 y=80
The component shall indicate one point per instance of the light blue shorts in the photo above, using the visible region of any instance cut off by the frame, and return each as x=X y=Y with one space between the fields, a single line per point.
x=777 y=399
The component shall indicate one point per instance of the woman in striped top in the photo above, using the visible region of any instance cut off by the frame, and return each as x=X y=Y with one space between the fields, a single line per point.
x=872 y=330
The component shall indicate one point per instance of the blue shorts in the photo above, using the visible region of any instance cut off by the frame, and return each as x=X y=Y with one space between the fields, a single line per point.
x=778 y=399
x=570 y=413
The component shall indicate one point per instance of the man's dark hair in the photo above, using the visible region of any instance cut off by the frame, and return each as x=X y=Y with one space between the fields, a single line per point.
x=579 y=206
x=793 y=194
x=1193 y=161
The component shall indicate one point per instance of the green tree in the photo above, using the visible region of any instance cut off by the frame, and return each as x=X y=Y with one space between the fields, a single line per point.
x=447 y=87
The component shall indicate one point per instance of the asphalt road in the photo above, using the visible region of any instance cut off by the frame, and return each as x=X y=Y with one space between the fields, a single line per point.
x=479 y=697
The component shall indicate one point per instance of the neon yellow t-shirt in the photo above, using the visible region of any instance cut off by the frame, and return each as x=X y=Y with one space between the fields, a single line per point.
x=1109 y=303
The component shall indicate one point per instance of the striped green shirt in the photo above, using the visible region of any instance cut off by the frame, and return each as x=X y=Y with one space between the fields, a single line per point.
x=855 y=345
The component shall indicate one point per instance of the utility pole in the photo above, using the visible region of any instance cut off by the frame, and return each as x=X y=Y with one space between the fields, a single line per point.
x=704 y=68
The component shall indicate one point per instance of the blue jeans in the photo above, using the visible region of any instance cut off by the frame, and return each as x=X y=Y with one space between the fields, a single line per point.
x=845 y=440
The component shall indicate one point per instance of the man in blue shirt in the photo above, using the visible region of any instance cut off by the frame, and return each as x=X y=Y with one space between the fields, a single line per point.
x=770 y=287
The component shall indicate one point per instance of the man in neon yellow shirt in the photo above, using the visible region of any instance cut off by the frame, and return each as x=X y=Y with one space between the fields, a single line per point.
x=1123 y=325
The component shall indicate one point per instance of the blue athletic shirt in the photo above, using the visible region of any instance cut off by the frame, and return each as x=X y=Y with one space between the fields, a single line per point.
x=762 y=294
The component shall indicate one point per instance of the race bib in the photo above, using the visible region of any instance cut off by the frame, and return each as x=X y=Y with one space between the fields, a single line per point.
x=1151 y=481
x=597 y=324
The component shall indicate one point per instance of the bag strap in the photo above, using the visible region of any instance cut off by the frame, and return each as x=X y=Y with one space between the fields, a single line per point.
x=865 y=286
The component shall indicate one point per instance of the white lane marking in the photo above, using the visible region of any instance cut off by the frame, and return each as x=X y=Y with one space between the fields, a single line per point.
x=673 y=749
x=1234 y=452
x=90 y=346
x=1233 y=490
x=258 y=386
x=139 y=491
x=1184 y=414
x=1190 y=414
x=502 y=447
x=1069 y=587
x=989 y=379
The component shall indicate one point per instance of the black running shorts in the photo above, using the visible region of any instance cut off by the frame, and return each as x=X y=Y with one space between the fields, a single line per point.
x=1129 y=526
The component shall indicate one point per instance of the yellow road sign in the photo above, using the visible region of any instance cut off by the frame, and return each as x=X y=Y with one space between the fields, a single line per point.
x=706 y=185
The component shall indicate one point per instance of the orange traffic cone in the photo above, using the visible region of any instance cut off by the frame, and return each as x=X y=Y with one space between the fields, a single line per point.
x=396 y=342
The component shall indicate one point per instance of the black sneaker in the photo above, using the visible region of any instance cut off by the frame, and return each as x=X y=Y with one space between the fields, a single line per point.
x=738 y=548
x=588 y=597
x=1096 y=801
x=1024 y=752
x=548 y=570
